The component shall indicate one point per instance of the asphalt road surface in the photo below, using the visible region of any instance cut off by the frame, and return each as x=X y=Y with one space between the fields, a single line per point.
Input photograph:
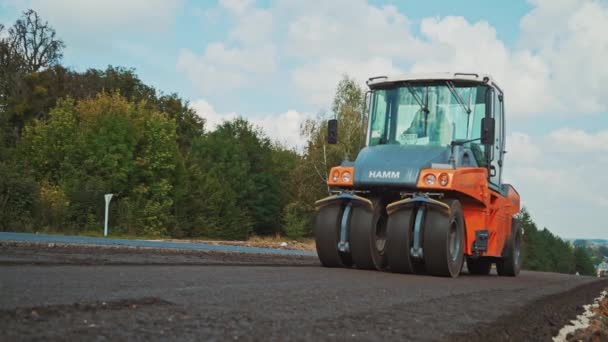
x=85 y=240
x=117 y=293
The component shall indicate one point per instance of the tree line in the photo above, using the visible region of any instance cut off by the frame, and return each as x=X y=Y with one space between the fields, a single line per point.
x=68 y=137
x=544 y=251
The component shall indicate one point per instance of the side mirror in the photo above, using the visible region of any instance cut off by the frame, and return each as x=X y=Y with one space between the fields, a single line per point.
x=332 y=131
x=487 y=131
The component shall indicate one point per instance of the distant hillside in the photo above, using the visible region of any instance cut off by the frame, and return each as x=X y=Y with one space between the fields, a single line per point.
x=588 y=242
x=597 y=249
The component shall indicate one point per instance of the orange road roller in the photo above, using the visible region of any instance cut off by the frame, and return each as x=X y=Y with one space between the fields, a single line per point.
x=425 y=194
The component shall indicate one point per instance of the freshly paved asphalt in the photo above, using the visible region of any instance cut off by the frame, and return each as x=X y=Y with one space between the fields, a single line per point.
x=84 y=293
x=82 y=240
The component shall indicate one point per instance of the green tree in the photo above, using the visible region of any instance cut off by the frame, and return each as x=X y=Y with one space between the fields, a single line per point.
x=11 y=64
x=35 y=41
x=18 y=198
x=106 y=144
x=50 y=146
x=216 y=171
x=241 y=156
x=156 y=161
x=309 y=176
x=543 y=251
x=30 y=46
x=210 y=208
x=583 y=262
x=347 y=106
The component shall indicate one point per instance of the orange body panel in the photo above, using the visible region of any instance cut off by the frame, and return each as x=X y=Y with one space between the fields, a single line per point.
x=484 y=208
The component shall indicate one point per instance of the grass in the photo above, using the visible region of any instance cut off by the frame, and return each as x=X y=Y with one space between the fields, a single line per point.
x=302 y=243
x=99 y=234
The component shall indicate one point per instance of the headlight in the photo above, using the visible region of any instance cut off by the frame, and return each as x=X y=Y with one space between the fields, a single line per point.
x=444 y=179
x=430 y=179
x=346 y=177
x=336 y=176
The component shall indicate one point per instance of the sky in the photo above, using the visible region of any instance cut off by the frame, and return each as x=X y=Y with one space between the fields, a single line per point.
x=277 y=62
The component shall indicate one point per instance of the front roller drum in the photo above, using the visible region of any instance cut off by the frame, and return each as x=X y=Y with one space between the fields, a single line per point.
x=328 y=220
x=444 y=240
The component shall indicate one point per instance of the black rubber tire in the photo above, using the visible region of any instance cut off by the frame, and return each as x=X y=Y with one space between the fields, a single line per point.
x=399 y=241
x=510 y=263
x=437 y=230
x=479 y=266
x=360 y=236
x=327 y=236
x=379 y=236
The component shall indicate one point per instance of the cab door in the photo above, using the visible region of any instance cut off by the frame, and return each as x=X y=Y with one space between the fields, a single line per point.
x=498 y=148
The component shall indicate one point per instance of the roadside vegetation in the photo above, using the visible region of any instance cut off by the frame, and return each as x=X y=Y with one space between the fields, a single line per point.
x=67 y=138
x=544 y=251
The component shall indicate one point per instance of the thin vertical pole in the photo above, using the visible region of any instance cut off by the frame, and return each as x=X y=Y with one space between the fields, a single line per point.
x=108 y=197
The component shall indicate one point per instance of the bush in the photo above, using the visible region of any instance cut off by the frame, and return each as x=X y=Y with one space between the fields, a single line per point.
x=298 y=223
x=53 y=206
x=18 y=199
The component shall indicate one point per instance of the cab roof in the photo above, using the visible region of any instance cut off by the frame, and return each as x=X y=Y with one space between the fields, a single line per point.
x=377 y=81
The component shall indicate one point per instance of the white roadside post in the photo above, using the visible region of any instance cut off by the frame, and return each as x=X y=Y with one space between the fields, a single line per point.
x=105 y=227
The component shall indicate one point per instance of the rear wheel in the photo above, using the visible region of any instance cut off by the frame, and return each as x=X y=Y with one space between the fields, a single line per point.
x=399 y=231
x=479 y=266
x=444 y=240
x=327 y=235
x=510 y=263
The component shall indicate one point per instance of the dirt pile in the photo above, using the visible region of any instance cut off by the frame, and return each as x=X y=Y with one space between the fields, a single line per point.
x=598 y=325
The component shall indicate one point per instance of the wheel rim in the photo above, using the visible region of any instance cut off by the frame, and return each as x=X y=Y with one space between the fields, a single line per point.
x=380 y=235
x=454 y=241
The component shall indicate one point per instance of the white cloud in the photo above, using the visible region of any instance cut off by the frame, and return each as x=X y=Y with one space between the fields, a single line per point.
x=557 y=69
x=538 y=34
x=222 y=68
x=260 y=59
x=283 y=128
x=109 y=19
x=570 y=36
x=238 y=6
x=246 y=56
x=254 y=26
x=318 y=80
x=521 y=149
x=538 y=76
x=346 y=29
x=458 y=45
x=579 y=140
x=319 y=34
x=557 y=176
x=334 y=38
x=212 y=118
